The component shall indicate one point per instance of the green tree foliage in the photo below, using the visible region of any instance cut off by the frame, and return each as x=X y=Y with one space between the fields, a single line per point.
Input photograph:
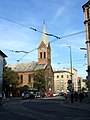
x=9 y=77
x=87 y=85
x=39 y=80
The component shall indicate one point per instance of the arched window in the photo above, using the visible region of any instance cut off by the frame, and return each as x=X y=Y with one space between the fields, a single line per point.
x=44 y=54
x=21 y=79
x=40 y=54
x=29 y=79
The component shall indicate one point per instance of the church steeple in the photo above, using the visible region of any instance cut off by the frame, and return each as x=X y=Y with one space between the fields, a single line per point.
x=44 y=37
x=44 y=50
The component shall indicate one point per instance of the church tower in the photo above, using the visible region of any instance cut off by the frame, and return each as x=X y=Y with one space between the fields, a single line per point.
x=44 y=50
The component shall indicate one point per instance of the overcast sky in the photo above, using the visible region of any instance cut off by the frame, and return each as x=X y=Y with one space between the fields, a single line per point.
x=62 y=17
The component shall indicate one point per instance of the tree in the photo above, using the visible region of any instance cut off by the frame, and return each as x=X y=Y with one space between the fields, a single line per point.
x=39 y=80
x=9 y=78
x=86 y=85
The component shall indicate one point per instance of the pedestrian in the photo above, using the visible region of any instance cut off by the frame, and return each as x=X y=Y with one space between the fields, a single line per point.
x=76 y=96
x=65 y=95
x=22 y=95
x=4 y=96
x=10 y=96
x=81 y=96
x=68 y=96
x=72 y=97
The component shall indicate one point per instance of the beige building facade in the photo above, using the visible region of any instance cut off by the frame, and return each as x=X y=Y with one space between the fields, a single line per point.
x=61 y=79
x=86 y=10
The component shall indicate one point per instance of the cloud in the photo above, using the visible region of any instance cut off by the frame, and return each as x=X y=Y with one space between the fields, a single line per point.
x=61 y=11
x=58 y=13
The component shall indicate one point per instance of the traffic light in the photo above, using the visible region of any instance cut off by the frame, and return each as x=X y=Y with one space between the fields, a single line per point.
x=69 y=81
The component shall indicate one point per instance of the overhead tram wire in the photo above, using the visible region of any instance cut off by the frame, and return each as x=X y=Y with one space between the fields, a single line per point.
x=14 y=22
x=34 y=29
x=53 y=41
x=17 y=51
x=26 y=54
x=46 y=43
x=28 y=27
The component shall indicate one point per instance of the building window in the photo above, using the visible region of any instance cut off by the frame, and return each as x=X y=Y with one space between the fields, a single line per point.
x=29 y=79
x=40 y=54
x=57 y=76
x=62 y=81
x=61 y=76
x=44 y=54
x=21 y=79
x=57 y=86
x=67 y=76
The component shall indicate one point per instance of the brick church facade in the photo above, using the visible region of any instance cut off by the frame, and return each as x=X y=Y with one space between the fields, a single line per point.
x=25 y=70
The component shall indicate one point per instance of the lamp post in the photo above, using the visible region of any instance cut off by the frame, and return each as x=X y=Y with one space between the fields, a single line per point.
x=70 y=64
x=70 y=61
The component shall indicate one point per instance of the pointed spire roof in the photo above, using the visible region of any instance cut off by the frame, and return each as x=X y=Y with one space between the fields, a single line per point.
x=44 y=37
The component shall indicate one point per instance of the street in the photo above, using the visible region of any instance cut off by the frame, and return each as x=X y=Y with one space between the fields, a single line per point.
x=38 y=109
x=7 y=115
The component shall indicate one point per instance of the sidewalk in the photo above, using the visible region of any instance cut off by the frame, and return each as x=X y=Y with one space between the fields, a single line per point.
x=8 y=99
x=85 y=105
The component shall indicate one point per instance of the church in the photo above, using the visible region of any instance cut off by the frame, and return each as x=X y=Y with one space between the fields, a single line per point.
x=25 y=70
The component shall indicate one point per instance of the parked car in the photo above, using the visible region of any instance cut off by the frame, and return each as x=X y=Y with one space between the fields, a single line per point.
x=49 y=95
x=61 y=93
x=55 y=94
x=37 y=95
x=29 y=96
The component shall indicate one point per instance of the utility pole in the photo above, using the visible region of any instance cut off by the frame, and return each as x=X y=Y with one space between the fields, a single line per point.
x=71 y=65
x=86 y=9
x=70 y=61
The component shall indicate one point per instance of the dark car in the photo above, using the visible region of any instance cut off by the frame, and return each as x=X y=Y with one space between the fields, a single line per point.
x=61 y=93
x=29 y=96
x=38 y=95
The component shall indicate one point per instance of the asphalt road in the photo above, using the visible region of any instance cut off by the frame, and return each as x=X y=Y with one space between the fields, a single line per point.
x=52 y=110
x=41 y=110
x=9 y=115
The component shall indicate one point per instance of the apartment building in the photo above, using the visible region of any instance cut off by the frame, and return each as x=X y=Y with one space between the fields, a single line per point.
x=61 y=79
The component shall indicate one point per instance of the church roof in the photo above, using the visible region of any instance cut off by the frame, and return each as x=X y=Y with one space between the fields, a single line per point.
x=40 y=66
x=44 y=37
x=27 y=67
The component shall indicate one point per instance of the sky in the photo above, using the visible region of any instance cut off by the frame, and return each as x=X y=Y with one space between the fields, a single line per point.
x=62 y=18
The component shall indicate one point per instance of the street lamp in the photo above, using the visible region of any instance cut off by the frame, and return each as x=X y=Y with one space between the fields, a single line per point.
x=70 y=61
x=70 y=85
